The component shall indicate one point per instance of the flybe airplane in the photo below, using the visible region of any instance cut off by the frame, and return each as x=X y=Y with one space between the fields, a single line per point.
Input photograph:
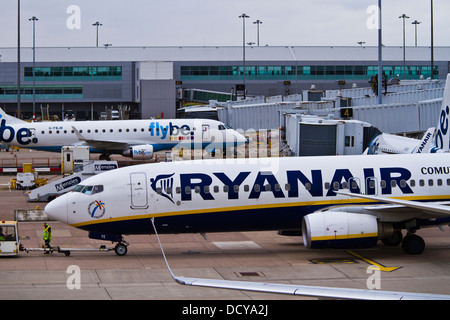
x=435 y=139
x=334 y=201
x=138 y=139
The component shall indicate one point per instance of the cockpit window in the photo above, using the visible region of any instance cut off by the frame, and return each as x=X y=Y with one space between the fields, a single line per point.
x=78 y=188
x=88 y=189
x=223 y=127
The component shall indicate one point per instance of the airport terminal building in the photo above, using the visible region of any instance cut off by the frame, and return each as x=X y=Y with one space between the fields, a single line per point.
x=152 y=81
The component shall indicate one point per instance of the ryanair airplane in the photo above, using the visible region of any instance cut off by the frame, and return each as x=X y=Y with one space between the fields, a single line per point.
x=333 y=201
x=137 y=139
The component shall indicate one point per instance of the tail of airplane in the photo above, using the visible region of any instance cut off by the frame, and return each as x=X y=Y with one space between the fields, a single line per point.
x=442 y=137
x=9 y=119
x=426 y=143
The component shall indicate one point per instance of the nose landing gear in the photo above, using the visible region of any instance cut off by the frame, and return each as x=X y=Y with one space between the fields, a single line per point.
x=121 y=247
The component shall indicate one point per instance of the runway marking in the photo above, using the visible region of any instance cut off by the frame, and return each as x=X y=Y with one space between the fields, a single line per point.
x=372 y=262
x=233 y=245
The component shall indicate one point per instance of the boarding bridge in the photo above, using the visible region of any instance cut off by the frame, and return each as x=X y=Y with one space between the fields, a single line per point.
x=82 y=170
x=307 y=135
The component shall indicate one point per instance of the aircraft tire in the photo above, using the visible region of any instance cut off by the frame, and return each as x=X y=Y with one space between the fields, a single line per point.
x=394 y=240
x=120 y=249
x=413 y=244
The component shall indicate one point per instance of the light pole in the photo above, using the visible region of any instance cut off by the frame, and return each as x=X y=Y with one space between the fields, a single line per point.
x=243 y=16
x=97 y=24
x=404 y=16
x=380 y=56
x=415 y=23
x=257 y=22
x=432 y=42
x=34 y=19
x=18 y=59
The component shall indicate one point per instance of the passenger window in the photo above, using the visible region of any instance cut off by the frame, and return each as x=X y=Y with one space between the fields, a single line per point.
x=439 y=182
x=246 y=188
x=421 y=182
x=383 y=184
x=402 y=183
x=412 y=183
x=430 y=182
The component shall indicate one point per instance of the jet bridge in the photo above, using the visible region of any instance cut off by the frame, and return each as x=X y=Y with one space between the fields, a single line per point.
x=308 y=135
x=82 y=170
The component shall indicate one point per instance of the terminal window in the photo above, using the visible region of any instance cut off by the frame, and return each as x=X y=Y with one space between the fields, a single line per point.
x=73 y=73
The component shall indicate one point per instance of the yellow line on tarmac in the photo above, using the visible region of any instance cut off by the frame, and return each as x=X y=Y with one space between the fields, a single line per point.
x=372 y=262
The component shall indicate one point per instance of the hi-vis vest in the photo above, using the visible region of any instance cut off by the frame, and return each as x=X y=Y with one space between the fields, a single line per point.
x=46 y=235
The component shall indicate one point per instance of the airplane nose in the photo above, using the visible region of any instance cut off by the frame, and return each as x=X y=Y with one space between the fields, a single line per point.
x=57 y=209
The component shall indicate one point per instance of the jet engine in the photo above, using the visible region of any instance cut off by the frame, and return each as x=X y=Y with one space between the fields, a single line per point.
x=343 y=230
x=141 y=152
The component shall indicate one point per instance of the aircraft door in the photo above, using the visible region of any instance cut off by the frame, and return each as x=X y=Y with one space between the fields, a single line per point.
x=139 y=195
x=206 y=134
x=371 y=186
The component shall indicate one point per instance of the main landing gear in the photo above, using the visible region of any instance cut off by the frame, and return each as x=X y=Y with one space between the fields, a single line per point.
x=411 y=243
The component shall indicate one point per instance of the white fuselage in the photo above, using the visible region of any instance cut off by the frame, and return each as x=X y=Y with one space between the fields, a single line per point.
x=116 y=136
x=248 y=194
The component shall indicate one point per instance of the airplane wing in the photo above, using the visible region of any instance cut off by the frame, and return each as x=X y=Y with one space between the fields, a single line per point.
x=315 y=291
x=100 y=144
x=436 y=208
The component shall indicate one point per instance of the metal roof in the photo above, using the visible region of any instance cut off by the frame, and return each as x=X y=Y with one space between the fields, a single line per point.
x=353 y=54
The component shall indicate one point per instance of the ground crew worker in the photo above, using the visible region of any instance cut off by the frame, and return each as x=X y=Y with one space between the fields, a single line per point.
x=47 y=236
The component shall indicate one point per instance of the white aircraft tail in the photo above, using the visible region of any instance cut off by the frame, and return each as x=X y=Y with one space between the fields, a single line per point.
x=8 y=118
x=425 y=145
x=442 y=137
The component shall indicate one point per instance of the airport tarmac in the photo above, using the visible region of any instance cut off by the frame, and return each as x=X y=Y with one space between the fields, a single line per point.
x=248 y=256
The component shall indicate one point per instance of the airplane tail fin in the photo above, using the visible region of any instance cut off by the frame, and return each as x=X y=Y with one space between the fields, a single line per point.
x=426 y=143
x=8 y=118
x=442 y=137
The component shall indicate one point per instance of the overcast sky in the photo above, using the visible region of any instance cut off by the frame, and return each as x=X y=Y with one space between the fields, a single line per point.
x=216 y=22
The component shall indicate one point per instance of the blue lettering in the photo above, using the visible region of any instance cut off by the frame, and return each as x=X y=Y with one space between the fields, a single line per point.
x=401 y=174
x=232 y=194
x=272 y=185
x=188 y=186
x=314 y=187
x=23 y=133
x=340 y=174
x=4 y=128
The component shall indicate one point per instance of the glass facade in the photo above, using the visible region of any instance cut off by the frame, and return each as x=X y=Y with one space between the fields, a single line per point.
x=42 y=92
x=73 y=73
x=348 y=72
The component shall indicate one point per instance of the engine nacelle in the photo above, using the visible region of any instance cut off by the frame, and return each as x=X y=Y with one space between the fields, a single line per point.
x=141 y=152
x=339 y=229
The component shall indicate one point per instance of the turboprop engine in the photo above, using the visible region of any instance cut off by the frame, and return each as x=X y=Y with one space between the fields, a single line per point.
x=141 y=152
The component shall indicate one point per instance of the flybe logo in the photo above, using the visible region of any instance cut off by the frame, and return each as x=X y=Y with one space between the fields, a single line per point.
x=23 y=135
x=267 y=182
x=159 y=130
x=442 y=130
